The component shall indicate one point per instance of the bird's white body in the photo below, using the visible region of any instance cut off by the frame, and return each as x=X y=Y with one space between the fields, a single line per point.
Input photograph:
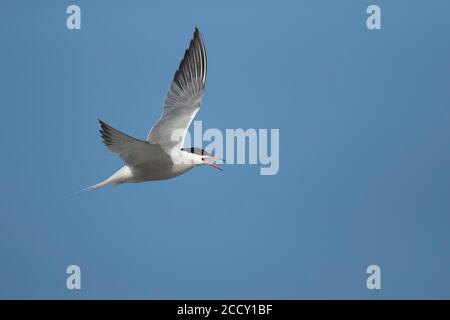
x=161 y=156
x=153 y=170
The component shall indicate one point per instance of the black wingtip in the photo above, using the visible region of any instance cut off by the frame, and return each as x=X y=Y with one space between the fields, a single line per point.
x=102 y=124
x=104 y=132
x=197 y=33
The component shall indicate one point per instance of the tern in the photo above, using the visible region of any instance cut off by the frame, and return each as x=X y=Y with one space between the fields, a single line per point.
x=162 y=156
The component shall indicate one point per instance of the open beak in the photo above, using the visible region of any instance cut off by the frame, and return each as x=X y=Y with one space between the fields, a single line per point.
x=212 y=165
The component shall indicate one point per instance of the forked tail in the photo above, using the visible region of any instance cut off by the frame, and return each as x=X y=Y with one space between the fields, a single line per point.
x=121 y=176
x=98 y=185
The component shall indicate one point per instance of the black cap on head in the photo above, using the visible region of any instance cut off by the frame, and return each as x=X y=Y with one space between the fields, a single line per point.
x=198 y=151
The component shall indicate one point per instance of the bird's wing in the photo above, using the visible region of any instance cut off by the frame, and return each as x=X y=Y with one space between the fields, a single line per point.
x=183 y=99
x=131 y=150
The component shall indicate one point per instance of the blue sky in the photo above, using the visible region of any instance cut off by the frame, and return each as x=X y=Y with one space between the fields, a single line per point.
x=364 y=151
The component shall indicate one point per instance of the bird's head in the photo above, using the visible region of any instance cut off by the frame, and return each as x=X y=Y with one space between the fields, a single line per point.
x=200 y=157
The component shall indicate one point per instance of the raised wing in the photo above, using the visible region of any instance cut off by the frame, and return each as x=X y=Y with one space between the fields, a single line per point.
x=131 y=150
x=183 y=99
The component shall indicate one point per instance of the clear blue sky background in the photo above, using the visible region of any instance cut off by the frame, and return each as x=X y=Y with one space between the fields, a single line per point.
x=364 y=157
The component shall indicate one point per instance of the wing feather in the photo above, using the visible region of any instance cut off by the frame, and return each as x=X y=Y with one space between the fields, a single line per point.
x=183 y=98
x=132 y=151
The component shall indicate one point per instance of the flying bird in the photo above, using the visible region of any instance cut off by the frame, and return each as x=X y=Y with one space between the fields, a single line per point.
x=162 y=156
